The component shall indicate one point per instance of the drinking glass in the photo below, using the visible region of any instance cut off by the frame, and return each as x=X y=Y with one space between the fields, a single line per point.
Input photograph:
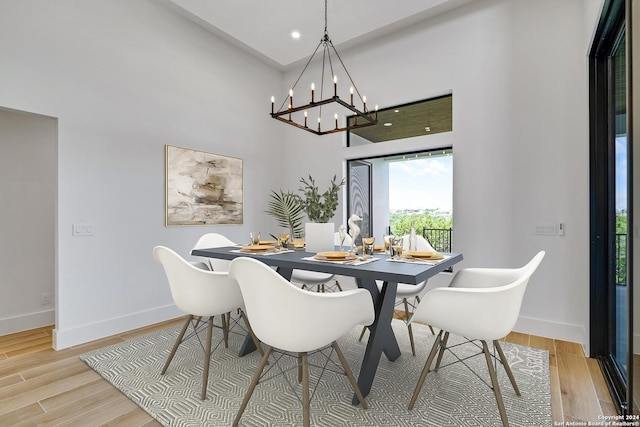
x=368 y=245
x=395 y=248
x=388 y=240
x=255 y=237
x=283 y=240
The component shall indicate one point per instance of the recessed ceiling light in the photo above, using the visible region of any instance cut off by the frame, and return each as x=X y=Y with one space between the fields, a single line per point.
x=295 y=34
x=388 y=124
x=396 y=111
x=427 y=129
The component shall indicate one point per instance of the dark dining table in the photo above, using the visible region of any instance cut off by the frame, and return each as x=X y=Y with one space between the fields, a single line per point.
x=381 y=337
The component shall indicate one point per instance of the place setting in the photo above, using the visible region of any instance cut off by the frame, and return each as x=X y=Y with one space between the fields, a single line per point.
x=419 y=257
x=368 y=249
x=266 y=247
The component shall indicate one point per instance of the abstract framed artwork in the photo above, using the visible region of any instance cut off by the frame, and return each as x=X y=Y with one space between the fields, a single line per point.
x=202 y=188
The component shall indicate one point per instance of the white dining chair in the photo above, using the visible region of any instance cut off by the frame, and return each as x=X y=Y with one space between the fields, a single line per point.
x=201 y=294
x=285 y=318
x=214 y=240
x=320 y=281
x=480 y=304
x=408 y=296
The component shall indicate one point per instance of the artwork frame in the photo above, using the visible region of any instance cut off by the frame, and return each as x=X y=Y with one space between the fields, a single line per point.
x=202 y=188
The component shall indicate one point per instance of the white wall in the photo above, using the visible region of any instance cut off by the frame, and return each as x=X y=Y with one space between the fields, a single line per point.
x=518 y=73
x=27 y=220
x=124 y=78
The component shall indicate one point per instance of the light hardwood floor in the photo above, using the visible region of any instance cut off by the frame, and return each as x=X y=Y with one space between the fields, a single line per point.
x=43 y=387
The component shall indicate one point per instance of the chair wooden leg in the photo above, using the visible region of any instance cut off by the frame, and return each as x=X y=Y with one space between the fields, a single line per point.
x=226 y=319
x=425 y=371
x=338 y=286
x=494 y=383
x=177 y=344
x=255 y=339
x=207 y=359
x=507 y=368
x=299 y=367
x=364 y=329
x=406 y=314
x=306 y=404
x=252 y=386
x=352 y=379
x=443 y=347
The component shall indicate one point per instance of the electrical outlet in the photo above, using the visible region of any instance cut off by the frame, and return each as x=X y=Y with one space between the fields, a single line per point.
x=45 y=298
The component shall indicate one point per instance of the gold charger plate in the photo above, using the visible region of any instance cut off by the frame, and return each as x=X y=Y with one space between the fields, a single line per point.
x=335 y=256
x=257 y=248
x=297 y=243
x=424 y=255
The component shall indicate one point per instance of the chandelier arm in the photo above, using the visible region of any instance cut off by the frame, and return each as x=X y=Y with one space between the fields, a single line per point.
x=300 y=76
x=347 y=72
x=324 y=58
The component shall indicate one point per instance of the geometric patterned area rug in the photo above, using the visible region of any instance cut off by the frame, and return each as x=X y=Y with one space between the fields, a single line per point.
x=453 y=396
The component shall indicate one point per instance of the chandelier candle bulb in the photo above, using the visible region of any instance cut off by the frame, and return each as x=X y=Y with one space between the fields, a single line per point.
x=290 y=99
x=273 y=102
x=351 y=95
x=335 y=85
x=313 y=90
x=364 y=104
x=305 y=119
x=335 y=116
x=319 y=124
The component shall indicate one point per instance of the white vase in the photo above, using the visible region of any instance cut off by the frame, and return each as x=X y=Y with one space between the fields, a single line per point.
x=318 y=236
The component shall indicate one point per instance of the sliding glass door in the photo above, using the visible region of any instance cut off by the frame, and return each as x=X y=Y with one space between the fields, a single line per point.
x=611 y=204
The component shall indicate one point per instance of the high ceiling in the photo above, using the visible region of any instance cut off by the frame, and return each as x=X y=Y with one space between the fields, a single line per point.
x=264 y=27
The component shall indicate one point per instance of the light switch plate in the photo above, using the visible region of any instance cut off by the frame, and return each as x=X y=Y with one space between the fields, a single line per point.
x=82 y=229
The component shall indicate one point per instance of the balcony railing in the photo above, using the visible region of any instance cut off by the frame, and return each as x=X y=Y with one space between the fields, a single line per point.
x=621 y=259
x=439 y=238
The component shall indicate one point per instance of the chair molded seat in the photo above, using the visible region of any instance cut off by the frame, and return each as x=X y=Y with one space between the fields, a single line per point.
x=490 y=299
x=285 y=316
x=214 y=240
x=200 y=294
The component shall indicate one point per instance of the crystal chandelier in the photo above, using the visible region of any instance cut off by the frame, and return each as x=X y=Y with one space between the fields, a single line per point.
x=309 y=116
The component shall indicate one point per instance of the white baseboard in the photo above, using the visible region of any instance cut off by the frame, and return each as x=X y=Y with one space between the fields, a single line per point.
x=555 y=330
x=64 y=338
x=24 y=322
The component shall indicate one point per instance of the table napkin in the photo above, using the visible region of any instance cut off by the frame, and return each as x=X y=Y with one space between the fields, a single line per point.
x=266 y=253
x=418 y=261
x=349 y=262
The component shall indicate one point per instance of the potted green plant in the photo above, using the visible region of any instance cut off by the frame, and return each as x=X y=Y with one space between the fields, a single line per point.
x=320 y=208
x=287 y=210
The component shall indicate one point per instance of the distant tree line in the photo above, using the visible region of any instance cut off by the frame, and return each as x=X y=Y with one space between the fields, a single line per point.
x=400 y=221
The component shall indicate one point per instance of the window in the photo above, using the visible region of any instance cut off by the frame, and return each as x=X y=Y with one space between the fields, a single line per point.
x=403 y=188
